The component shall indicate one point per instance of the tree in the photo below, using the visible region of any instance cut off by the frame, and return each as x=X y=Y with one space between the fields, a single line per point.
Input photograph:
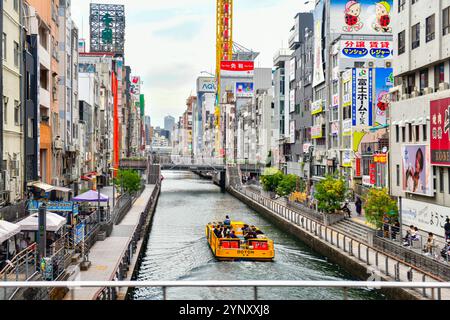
x=271 y=179
x=378 y=203
x=287 y=185
x=330 y=193
x=129 y=180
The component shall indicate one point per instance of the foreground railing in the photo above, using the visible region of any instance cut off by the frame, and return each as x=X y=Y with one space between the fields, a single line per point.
x=164 y=285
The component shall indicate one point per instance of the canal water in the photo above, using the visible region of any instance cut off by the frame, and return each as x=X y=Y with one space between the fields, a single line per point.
x=177 y=249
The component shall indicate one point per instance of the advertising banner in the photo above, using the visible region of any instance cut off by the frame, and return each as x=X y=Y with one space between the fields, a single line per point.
x=416 y=171
x=440 y=135
x=316 y=132
x=292 y=132
x=347 y=159
x=244 y=89
x=237 y=69
x=335 y=128
x=135 y=87
x=380 y=158
x=384 y=80
x=206 y=85
x=318 y=75
x=292 y=70
x=370 y=50
x=316 y=107
x=347 y=127
x=425 y=216
x=363 y=17
x=362 y=92
x=292 y=101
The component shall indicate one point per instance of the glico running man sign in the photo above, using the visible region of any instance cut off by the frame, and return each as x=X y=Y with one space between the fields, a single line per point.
x=440 y=132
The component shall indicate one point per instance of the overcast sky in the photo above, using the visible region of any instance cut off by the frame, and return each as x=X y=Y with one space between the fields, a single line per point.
x=169 y=42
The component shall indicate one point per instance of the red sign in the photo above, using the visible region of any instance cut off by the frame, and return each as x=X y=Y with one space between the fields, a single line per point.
x=440 y=132
x=373 y=173
x=358 y=167
x=237 y=68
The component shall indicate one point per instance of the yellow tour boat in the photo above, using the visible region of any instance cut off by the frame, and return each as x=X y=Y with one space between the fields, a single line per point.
x=245 y=242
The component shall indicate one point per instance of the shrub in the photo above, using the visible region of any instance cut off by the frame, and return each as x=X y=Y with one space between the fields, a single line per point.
x=271 y=179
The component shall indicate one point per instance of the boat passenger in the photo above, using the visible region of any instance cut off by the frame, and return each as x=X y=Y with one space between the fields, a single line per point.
x=227 y=221
x=227 y=233
x=222 y=232
x=232 y=234
x=217 y=232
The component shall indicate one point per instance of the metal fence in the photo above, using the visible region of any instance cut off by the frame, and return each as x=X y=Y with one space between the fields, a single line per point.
x=381 y=262
x=255 y=285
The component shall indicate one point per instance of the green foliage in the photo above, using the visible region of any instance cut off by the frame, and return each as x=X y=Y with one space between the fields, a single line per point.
x=287 y=185
x=330 y=193
x=271 y=179
x=129 y=180
x=377 y=203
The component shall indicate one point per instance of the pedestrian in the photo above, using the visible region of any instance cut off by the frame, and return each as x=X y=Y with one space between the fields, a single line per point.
x=429 y=245
x=447 y=229
x=346 y=210
x=358 y=205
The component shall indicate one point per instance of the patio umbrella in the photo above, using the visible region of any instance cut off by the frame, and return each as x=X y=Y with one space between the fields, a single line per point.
x=31 y=223
x=7 y=230
x=90 y=196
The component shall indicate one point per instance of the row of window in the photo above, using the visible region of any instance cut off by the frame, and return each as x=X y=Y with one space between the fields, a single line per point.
x=430 y=31
x=17 y=111
x=413 y=133
x=409 y=81
x=5 y=50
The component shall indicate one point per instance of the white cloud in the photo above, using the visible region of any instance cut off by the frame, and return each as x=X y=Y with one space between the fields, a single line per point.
x=169 y=43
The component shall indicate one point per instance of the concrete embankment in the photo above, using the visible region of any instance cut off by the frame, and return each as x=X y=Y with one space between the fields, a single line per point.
x=349 y=256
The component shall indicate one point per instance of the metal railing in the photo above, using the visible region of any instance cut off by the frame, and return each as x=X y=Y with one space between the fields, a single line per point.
x=122 y=267
x=381 y=263
x=164 y=285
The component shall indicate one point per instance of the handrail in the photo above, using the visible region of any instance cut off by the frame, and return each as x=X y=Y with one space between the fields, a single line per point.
x=436 y=278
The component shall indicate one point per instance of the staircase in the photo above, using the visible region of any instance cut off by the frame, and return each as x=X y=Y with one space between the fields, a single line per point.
x=357 y=230
x=234 y=177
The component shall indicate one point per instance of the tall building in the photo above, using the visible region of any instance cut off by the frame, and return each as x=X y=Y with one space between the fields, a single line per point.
x=148 y=124
x=12 y=176
x=169 y=122
x=419 y=157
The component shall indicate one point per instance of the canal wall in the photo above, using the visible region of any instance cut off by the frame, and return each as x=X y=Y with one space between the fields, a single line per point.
x=350 y=263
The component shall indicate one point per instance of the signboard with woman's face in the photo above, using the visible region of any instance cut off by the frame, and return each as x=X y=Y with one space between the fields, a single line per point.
x=417 y=170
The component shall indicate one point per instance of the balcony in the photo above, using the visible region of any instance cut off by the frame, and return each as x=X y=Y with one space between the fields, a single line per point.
x=281 y=56
x=44 y=98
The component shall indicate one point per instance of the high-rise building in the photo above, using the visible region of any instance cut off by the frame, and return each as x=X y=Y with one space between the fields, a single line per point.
x=169 y=122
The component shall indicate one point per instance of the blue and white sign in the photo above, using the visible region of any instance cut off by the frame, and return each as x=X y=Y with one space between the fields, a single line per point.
x=362 y=97
x=79 y=233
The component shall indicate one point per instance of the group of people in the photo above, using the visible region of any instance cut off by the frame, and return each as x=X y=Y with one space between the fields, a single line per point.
x=250 y=232
x=224 y=230
x=358 y=206
x=412 y=234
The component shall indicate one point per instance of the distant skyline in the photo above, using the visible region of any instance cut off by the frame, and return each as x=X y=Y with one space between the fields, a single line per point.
x=168 y=43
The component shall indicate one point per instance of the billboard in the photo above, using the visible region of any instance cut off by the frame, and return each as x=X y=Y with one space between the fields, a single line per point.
x=361 y=17
x=135 y=87
x=384 y=80
x=426 y=216
x=362 y=93
x=237 y=69
x=244 y=89
x=316 y=132
x=292 y=100
x=292 y=132
x=317 y=107
x=107 y=28
x=318 y=71
x=440 y=135
x=416 y=170
x=206 y=85
x=378 y=50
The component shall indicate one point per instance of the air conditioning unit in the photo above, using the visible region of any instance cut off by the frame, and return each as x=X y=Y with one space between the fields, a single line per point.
x=58 y=144
x=428 y=90
x=388 y=64
x=444 y=86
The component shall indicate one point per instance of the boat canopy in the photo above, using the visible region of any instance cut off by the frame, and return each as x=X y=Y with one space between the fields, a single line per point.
x=7 y=230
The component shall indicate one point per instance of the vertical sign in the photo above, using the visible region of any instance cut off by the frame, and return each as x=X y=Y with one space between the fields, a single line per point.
x=318 y=73
x=362 y=100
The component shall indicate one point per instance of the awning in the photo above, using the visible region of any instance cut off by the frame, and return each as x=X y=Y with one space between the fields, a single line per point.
x=62 y=189
x=90 y=196
x=31 y=223
x=42 y=185
x=7 y=230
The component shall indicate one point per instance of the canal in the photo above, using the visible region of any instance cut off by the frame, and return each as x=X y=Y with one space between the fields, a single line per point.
x=177 y=249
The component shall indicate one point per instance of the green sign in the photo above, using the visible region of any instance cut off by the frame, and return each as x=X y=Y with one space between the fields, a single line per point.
x=107 y=33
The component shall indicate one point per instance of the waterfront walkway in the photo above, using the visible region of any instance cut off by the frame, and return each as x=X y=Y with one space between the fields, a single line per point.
x=379 y=265
x=106 y=255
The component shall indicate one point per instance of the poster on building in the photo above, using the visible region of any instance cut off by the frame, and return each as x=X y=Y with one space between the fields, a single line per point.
x=368 y=17
x=347 y=158
x=316 y=132
x=318 y=70
x=292 y=70
x=292 y=101
x=238 y=69
x=425 y=216
x=335 y=128
x=316 y=107
x=440 y=132
x=244 y=89
x=384 y=81
x=416 y=170
x=205 y=85
x=371 y=50
x=292 y=131
x=362 y=92
x=135 y=87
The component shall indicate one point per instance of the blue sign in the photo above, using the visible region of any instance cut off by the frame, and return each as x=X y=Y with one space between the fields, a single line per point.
x=355 y=52
x=380 y=53
x=79 y=233
x=55 y=206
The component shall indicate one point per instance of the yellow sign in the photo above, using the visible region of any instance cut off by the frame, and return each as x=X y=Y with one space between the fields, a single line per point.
x=380 y=158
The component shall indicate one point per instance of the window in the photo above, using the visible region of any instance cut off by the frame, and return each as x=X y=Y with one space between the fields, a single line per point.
x=410 y=132
x=424 y=132
x=16 y=54
x=4 y=46
x=415 y=1
x=401 y=42
x=397 y=133
x=439 y=72
x=359 y=64
x=5 y=110
x=441 y=180
x=43 y=38
x=401 y=5
x=403 y=134
x=430 y=28
x=446 y=21
x=44 y=79
x=415 y=35
x=30 y=128
x=423 y=80
x=398 y=175
x=17 y=113
x=417 y=133
x=16 y=5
